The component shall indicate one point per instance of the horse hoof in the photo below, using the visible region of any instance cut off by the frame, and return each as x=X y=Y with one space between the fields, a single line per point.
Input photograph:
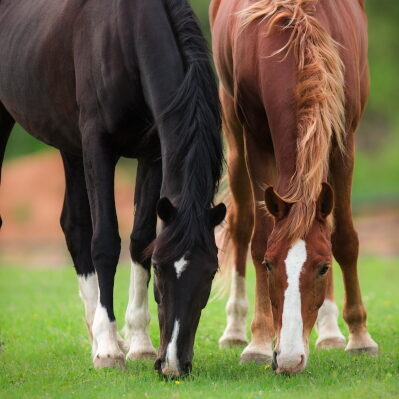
x=362 y=344
x=370 y=350
x=109 y=362
x=142 y=355
x=231 y=342
x=331 y=343
x=254 y=357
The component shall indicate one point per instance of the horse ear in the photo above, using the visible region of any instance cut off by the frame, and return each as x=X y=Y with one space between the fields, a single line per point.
x=276 y=206
x=165 y=210
x=217 y=214
x=325 y=202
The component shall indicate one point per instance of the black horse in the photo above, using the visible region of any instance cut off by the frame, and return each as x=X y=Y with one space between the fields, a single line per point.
x=104 y=79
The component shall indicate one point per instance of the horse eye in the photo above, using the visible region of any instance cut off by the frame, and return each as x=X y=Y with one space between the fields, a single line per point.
x=323 y=270
x=267 y=264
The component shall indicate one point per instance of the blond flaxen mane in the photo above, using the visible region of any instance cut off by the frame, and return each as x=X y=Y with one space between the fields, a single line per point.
x=319 y=98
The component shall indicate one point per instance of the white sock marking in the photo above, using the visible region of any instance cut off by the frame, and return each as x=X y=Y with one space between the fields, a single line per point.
x=88 y=291
x=291 y=339
x=105 y=338
x=171 y=360
x=137 y=316
x=180 y=266
x=327 y=321
x=237 y=309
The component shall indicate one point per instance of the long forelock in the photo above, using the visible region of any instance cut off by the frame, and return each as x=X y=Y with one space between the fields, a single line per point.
x=184 y=233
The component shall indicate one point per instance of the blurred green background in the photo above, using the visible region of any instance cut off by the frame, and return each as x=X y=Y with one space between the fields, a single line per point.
x=377 y=165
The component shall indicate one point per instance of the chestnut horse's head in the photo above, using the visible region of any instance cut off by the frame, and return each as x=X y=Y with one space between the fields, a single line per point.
x=297 y=279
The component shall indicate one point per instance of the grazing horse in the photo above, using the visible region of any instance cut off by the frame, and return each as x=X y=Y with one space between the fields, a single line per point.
x=101 y=79
x=294 y=83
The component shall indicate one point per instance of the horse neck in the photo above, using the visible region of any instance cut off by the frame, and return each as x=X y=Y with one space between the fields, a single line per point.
x=180 y=89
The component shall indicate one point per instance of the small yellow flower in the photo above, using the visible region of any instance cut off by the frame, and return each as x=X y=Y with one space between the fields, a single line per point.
x=266 y=367
x=177 y=382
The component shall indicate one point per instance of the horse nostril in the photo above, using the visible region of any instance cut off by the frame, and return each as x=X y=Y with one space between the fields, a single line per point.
x=274 y=361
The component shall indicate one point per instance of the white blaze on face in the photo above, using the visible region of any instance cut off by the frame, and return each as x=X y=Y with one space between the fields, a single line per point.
x=171 y=365
x=291 y=339
x=180 y=266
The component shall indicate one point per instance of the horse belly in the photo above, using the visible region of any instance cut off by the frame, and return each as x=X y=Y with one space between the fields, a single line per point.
x=52 y=131
x=52 y=120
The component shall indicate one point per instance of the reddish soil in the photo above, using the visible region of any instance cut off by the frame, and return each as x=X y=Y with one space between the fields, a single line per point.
x=31 y=199
x=379 y=232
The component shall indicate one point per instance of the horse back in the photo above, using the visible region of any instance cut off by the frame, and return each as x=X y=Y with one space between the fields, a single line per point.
x=36 y=51
x=252 y=72
x=66 y=59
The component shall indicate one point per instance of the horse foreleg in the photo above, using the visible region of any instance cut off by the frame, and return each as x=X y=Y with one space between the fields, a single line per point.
x=261 y=167
x=240 y=224
x=77 y=227
x=99 y=167
x=262 y=327
x=345 y=245
x=137 y=319
x=329 y=334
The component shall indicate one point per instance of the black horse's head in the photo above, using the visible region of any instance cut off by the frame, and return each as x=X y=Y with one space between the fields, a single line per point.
x=182 y=286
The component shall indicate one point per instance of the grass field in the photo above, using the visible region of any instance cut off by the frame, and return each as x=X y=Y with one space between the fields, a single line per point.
x=46 y=351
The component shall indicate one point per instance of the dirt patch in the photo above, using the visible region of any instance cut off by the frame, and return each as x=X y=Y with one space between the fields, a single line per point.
x=379 y=232
x=31 y=198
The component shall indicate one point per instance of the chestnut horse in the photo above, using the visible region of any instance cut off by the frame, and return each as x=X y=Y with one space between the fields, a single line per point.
x=294 y=83
x=102 y=79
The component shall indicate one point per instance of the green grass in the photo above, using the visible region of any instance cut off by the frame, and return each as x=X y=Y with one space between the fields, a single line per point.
x=46 y=350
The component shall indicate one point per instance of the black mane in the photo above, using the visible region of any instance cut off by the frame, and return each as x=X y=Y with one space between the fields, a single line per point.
x=199 y=152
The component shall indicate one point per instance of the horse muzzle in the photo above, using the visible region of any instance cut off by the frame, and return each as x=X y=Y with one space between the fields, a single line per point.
x=289 y=364
x=172 y=370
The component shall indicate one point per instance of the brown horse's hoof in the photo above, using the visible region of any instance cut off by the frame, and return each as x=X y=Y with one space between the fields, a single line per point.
x=145 y=355
x=371 y=350
x=109 y=362
x=257 y=354
x=362 y=343
x=231 y=342
x=254 y=357
x=331 y=343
